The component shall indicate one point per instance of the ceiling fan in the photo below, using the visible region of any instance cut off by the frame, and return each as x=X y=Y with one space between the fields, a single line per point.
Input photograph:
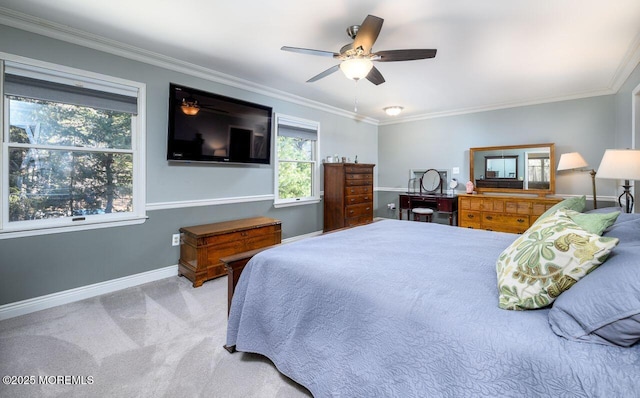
x=357 y=57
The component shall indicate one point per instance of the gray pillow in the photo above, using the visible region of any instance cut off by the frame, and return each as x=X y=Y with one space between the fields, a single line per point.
x=604 y=306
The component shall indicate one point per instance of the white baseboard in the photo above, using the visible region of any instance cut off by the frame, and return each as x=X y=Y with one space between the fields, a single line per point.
x=300 y=237
x=68 y=296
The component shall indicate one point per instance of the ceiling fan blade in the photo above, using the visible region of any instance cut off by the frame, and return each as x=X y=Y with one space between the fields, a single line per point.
x=324 y=74
x=368 y=33
x=405 y=55
x=375 y=76
x=309 y=51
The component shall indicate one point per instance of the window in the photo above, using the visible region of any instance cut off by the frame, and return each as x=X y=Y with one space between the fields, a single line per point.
x=296 y=169
x=72 y=148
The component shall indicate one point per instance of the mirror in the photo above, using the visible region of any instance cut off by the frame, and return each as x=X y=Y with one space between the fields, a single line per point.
x=516 y=168
x=501 y=166
x=430 y=181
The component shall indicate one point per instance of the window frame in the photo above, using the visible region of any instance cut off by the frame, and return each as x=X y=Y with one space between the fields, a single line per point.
x=296 y=122
x=56 y=73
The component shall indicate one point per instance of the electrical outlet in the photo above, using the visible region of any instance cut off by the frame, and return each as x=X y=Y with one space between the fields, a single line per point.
x=175 y=240
x=391 y=206
x=455 y=170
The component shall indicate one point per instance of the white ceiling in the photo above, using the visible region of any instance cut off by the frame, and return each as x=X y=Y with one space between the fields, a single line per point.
x=491 y=54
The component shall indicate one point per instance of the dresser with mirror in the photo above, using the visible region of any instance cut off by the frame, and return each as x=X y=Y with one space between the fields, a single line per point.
x=512 y=187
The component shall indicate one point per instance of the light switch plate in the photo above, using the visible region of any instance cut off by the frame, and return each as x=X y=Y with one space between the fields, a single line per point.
x=455 y=170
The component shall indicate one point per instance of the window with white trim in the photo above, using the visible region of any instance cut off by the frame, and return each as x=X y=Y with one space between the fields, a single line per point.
x=296 y=161
x=72 y=148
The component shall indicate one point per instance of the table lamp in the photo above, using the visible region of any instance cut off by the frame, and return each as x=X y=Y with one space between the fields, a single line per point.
x=572 y=161
x=621 y=164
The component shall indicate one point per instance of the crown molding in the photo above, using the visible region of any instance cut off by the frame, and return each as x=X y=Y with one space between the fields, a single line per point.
x=495 y=107
x=75 y=36
x=627 y=66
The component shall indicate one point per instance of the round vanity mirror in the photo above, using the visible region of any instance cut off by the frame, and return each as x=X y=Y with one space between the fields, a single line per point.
x=431 y=180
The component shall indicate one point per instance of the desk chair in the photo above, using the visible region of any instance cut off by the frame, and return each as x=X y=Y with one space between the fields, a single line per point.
x=421 y=211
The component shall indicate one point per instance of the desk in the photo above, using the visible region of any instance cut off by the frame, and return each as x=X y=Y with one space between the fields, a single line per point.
x=439 y=202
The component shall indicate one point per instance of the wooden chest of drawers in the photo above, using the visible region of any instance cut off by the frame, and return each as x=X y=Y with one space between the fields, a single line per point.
x=501 y=213
x=348 y=195
x=202 y=246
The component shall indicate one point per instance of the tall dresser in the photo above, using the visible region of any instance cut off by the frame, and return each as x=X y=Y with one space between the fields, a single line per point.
x=513 y=214
x=348 y=195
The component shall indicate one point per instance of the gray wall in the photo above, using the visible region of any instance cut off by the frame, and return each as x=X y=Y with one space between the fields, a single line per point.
x=39 y=265
x=588 y=126
x=583 y=125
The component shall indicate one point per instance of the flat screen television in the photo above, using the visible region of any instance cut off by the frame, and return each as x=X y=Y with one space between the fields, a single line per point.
x=207 y=127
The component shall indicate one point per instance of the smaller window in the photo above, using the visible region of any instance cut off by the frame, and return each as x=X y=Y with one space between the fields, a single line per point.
x=296 y=168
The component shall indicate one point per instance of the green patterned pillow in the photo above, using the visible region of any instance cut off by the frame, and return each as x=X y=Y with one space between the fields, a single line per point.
x=546 y=260
x=576 y=203
x=596 y=223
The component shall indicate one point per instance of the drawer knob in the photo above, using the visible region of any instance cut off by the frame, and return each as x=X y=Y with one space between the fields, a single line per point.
x=368 y=208
x=489 y=218
x=520 y=220
x=470 y=215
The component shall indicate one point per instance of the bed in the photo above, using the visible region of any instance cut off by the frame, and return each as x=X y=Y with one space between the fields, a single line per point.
x=410 y=309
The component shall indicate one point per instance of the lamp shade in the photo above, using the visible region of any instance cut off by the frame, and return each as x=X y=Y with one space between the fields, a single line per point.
x=620 y=164
x=571 y=160
x=356 y=68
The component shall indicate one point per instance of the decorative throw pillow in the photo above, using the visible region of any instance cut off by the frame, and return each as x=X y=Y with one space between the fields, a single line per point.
x=596 y=223
x=577 y=204
x=546 y=260
x=604 y=308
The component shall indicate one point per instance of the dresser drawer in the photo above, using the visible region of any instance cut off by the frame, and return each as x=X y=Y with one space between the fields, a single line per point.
x=358 y=177
x=494 y=205
x=469 y=219
x=518 y=207
x=538 y=208
x=351 y=183
x=470 y=203
x=353 y=221
x=365 y=209
x=505 y=222
x=355 y=199
x=358 y=170
x=359 y=190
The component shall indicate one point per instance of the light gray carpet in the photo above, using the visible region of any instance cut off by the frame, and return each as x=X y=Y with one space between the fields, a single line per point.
x=161 y=339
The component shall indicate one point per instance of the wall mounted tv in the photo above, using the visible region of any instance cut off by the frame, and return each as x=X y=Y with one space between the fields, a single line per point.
x=206 y=127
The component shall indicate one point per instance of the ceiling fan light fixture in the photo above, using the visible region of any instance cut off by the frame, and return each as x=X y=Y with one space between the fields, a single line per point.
x=190 y=107
x=356 y=68
x=393 y=110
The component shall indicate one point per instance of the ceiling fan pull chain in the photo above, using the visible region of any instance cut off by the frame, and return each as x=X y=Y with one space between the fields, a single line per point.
x=355 y=101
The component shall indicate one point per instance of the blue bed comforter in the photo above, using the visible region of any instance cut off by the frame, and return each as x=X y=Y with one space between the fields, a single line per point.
x=409 y=309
